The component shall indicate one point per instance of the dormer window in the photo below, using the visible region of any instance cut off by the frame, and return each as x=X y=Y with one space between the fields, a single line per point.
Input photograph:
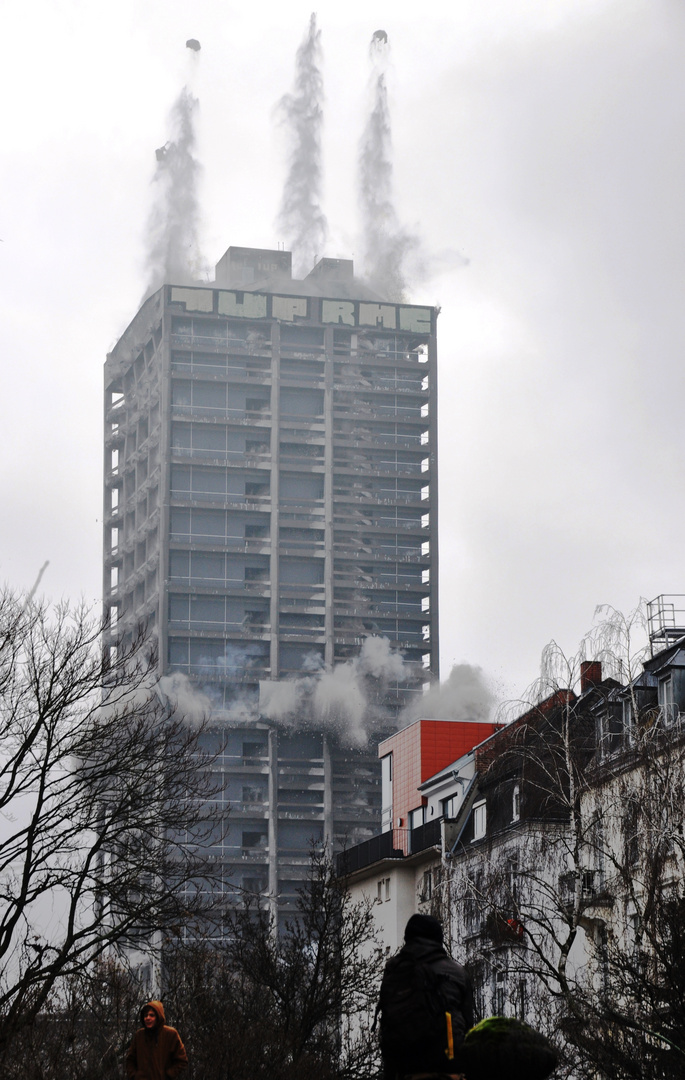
x=628 y=718
x=479 y=820
x=611 y=729
x=667 y=700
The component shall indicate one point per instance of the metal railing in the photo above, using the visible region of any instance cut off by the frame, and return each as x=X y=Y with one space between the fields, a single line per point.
x=666 y=618
x=387 y=845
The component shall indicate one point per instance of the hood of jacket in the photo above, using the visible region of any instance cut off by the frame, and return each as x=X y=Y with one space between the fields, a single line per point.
x=158 y=1008
x=425 y=949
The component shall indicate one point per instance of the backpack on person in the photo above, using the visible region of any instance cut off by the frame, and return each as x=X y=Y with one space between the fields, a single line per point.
x=416 y=1009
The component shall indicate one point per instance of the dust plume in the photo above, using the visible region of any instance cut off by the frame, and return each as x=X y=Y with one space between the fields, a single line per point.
x=386 y=244
x=183 y=697
x=235 y=662
x=466 y=695
x=300 y=217
x=339 y=698
x=172 y=233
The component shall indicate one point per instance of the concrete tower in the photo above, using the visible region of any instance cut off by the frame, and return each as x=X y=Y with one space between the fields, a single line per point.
x=271 y=510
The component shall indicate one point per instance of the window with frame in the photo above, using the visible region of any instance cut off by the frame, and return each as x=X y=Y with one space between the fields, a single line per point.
x=521 y=1000
x=383 y=890
x=479 y=820
x=611 y=729
x=426 y=886
x=631 y=824
x=471 y=906
x=628 y=719
x=667 y=700
x=512 y=878
x=499 y=996
x=516 y=803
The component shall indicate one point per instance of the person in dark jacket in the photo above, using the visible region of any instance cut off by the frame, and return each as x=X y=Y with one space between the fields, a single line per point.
x=421 y=984
x=156 y=1052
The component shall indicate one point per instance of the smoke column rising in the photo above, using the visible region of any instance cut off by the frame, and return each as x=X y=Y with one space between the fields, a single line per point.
x=300 y=217
x=173 y=248
x=386 y=243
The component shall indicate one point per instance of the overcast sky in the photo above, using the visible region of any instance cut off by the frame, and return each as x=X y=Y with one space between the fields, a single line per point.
x=541 y=140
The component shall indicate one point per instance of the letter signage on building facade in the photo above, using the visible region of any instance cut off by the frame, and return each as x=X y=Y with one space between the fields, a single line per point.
x=254 y=305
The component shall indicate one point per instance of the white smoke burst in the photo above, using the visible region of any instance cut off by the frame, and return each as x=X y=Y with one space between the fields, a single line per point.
x=185 y=698
x=466 y=695
x=172 y=235
x=386 y=244
x=300 y=218
x=337 y=699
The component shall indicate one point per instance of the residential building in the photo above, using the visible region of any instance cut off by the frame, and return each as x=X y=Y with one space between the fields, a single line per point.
x=425 y=794
x=412 y=755
x=270 y=506
x=558 y=870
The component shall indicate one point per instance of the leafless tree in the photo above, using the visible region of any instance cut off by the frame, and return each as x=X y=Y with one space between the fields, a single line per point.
x=82 y=1029
x=290 y=1003
x=104 y=807
x=250 y=1004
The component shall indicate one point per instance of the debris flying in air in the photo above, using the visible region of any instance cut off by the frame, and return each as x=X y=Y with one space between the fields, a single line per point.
x=300 y=218
x=386 y=244
x=173 y=247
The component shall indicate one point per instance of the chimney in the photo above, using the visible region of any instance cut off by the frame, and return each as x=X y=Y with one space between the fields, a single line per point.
x=590 y=674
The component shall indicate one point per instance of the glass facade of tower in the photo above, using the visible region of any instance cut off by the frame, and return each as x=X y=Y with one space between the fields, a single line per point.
x=270 y=506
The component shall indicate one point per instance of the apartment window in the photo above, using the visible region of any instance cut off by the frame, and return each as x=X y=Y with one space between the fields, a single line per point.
x=588 y=884
x=667 y=699
x=499 y=996
x=611 y=729
x=255 y=885
x=512 y=875
x=254 y=749
x=254 y=840
x=471 y=904
x=521 y=1003
x=383 y=892
x=479 y=820
x=427 y=886
x=252 y=796
x=416 y=818
x=516 y=803
x=628 y=718
x=631 y=824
